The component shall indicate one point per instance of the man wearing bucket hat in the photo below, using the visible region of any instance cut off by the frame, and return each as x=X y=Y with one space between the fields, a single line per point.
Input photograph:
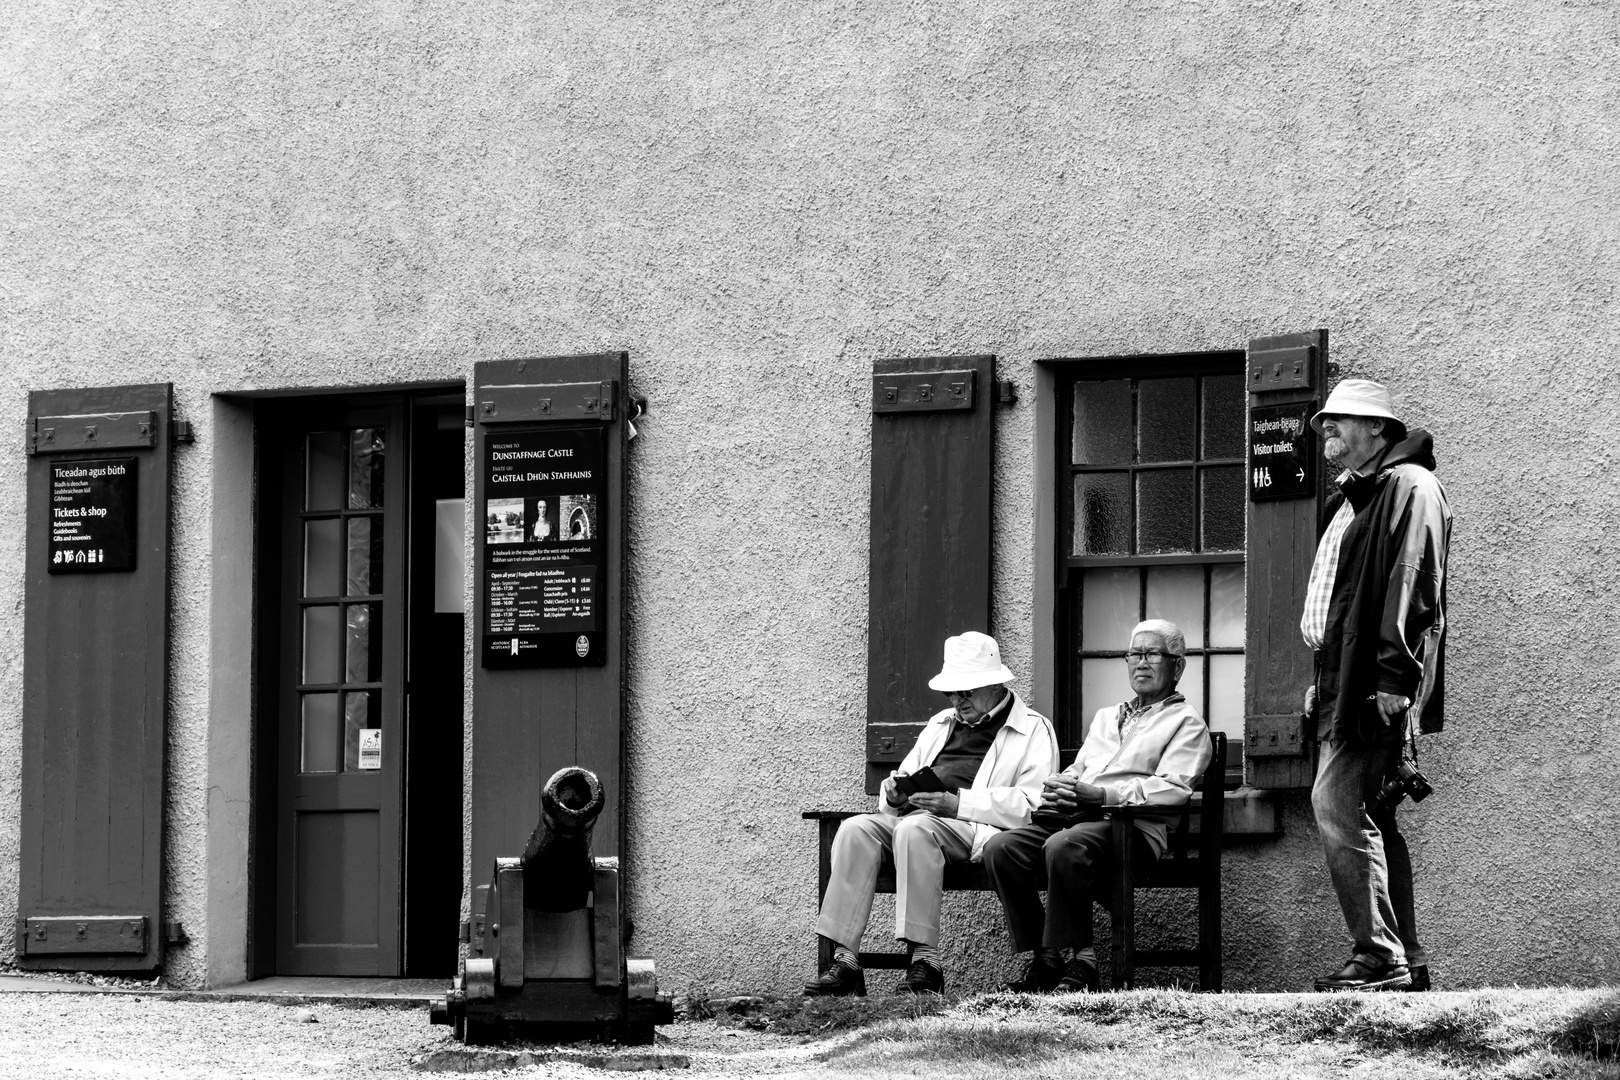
x=1375 y=614
x=990 y=753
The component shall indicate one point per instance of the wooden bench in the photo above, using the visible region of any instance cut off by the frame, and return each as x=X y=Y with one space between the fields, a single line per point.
x=1191 y=861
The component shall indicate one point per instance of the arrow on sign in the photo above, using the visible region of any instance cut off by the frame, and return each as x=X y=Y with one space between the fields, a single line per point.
x=1300 y=476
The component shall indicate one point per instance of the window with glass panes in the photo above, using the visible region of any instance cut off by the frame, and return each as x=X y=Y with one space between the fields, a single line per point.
x=341 y=599
x=1154 y=504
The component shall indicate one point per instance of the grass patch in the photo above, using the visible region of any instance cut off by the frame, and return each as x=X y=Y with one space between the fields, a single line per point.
x=1494 y=1033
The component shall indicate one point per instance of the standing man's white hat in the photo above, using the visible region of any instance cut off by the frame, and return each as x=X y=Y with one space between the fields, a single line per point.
x=972 y=660
x=1362 y=397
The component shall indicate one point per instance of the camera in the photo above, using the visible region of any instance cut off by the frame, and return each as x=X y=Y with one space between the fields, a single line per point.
x=1406 y=781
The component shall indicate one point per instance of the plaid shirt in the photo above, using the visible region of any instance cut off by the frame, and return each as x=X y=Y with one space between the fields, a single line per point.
x=1319 y=591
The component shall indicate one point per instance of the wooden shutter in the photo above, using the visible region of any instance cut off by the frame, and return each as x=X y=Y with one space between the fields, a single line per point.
x=1288 y=370
x=932 y=445
x=528 y=722
x=95 y=679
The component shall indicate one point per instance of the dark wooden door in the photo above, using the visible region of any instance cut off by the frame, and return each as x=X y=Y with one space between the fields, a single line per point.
x=340 y=742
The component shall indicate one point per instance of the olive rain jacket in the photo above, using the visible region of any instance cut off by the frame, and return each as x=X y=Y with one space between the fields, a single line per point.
x=1386 y=624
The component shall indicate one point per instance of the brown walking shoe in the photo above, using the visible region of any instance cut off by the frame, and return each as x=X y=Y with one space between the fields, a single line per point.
x=1361 y=974
x=838 y=980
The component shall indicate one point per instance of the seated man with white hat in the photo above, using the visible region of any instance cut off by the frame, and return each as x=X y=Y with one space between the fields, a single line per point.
x=990 y=753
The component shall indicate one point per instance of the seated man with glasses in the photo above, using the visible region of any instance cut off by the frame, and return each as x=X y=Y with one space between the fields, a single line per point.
x=1147 y=751
x=986 y=757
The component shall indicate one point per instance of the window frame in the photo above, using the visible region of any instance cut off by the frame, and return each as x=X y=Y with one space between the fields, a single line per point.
x=1068 y=568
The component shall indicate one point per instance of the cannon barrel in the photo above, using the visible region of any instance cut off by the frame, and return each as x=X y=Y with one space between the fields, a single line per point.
x=558 y=874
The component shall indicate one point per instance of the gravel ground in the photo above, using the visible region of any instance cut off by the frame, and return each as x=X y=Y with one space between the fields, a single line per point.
x=131 y=1035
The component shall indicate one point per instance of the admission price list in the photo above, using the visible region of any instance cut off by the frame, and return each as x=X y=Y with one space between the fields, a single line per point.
x=537 y=601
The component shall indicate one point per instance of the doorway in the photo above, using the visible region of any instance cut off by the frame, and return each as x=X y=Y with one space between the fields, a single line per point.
x=358 y=778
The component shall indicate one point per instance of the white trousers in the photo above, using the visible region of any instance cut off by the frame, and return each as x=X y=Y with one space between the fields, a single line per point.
x=920 y=843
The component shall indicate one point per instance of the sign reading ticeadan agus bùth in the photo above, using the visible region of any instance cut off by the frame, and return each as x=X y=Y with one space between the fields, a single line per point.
x=1282 y=451
x=92 y=516
x=545 y=547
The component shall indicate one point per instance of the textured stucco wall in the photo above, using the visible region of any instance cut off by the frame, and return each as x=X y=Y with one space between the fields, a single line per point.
x=757 y=201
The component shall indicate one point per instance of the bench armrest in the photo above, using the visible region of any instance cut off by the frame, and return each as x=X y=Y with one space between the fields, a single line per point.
x=831 y=815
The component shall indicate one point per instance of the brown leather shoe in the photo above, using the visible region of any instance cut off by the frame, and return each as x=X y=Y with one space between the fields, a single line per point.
x=1078 y=977
x=1041 y=977
x=839 y=980
x=1420 y=980
x=1360 y=974
x=922 y=978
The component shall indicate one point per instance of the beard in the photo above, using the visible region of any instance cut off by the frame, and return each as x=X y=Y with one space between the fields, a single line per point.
x=1335 y=450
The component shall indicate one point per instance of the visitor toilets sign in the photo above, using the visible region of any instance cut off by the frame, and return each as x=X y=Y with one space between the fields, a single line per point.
x=1282 y=451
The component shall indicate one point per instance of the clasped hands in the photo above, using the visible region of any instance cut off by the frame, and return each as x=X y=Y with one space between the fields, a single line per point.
x=1065 y=794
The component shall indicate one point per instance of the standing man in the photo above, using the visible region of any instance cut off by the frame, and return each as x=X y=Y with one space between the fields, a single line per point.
x=1147 y=751
x=990 y=753
x=1375 y=615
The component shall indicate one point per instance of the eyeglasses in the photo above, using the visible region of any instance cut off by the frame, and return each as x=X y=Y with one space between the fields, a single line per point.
x=1152 y=656
x=953 y=696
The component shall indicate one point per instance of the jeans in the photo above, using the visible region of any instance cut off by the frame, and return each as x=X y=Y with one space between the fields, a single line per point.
x=1367 y=856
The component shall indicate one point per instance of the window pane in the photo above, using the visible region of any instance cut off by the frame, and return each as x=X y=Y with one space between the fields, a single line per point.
x=323 y=476
x=1223 y=506
x=1109 y=601
x=1102 y=514
x=320 y=737
x=1224 y=399
x=1177 y=593
x=1191 y=685
x=366 y=468
x=361 y=710
x=323 y=644
x=1164 y=422
x=364 y=644
x=1226 y=696
x=321 y=554
x=1164 y=511
x=1226 y=606
x=1102 y=422
x=365 y=556
x=1103 y=682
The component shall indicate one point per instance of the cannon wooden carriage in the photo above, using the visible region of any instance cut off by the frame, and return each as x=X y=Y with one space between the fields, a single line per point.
x=550 y=961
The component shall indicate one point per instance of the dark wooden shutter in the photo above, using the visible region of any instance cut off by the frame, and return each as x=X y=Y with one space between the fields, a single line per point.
x=530 y=722
x=932 y=447
x=95 y=690
x=1278 y=747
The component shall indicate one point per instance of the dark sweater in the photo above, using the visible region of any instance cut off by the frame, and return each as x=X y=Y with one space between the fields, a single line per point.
x=958 y=760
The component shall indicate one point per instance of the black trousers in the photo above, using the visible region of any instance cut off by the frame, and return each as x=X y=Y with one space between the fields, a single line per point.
x=1075 y=865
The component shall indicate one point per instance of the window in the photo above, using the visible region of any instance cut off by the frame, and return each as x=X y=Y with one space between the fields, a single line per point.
x=1153 y=512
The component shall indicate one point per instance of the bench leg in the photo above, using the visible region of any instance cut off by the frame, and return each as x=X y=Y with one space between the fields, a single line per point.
x=1124 y=919
x=829 y=830
x=1209 y=938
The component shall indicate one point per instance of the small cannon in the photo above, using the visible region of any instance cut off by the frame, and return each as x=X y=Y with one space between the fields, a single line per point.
x=550 y=958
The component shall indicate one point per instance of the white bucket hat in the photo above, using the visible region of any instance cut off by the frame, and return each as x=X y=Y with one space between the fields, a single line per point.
x=1361 y=397
x=972 y=660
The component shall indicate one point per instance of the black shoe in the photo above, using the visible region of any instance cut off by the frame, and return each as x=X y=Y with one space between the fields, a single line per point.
x=1041 y=977
x=837 y=981
x=922 y=978
x=1420 y=980
x=1078 y=977
x=1360 y=974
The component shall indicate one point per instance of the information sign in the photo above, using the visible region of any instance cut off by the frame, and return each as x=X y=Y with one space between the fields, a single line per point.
x=1282 y=451
x=92 y=518
x=544 y=547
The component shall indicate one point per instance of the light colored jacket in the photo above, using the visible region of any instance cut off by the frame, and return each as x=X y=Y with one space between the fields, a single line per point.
x=1007 y=787
x=1166 y=749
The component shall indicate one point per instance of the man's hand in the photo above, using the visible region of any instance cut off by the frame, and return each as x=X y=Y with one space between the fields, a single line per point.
x=890 y=792
x=1066 y=793
x=1310 y=702
x=1392 y=706
x=942 y=804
